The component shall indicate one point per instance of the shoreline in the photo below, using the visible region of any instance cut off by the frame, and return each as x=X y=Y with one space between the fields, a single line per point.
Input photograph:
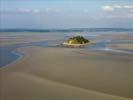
x=75 y=45
x=20 y=57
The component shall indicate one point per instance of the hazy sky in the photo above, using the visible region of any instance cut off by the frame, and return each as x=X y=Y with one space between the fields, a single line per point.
x=43 y=14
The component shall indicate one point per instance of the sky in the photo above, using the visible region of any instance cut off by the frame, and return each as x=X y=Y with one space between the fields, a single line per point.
x=63 y=14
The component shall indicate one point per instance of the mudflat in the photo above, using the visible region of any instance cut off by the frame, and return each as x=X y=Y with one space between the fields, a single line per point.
x=67 y=74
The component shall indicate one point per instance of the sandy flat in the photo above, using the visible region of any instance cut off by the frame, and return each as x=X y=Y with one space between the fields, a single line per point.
x=67 y=74
x=10 y=38
x=127 y=46
x=120 y=36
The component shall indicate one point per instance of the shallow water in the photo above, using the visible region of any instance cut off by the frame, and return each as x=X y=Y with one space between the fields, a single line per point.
x=9 y=53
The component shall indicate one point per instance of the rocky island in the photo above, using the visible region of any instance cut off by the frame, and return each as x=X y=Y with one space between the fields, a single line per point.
x=77 y=41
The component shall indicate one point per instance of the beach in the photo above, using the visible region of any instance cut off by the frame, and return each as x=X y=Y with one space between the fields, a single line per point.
x=59 y=73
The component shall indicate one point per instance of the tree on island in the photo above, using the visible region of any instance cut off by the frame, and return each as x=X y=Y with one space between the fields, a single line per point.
x=77 y=40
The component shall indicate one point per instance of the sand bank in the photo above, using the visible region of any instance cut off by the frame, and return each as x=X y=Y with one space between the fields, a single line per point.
x=68 y=74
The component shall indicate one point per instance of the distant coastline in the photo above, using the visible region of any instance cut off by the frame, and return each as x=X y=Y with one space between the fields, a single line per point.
x=70 y=30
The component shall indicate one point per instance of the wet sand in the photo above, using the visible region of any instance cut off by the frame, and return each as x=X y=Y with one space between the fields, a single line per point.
x=9 y=38
x=127 y=46
x=67 y=74
x=58 y=73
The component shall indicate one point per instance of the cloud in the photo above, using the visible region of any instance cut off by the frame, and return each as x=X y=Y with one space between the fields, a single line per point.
x=28 y=10
x=130 y=15
x=31 y=11
x=128 y=6
x=36 y=11
x=118 y=11
x=117 y=6
x=50 y=10
x=108 y=8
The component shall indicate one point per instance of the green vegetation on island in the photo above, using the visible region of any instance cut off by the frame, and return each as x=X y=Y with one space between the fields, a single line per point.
x=77 y=40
